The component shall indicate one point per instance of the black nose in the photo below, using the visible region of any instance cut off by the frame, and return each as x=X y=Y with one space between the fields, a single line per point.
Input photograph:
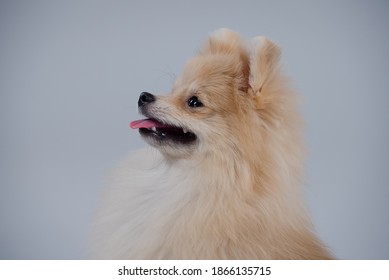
x=145 y=98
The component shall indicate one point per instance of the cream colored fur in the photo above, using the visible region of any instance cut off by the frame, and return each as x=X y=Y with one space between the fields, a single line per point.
x=236 y=194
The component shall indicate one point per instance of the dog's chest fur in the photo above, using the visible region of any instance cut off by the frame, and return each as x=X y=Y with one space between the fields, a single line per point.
x=162 y=211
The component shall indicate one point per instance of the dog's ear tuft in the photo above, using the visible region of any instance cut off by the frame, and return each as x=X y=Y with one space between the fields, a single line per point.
x=223 y=41
x=264 y=65
x=227 y=42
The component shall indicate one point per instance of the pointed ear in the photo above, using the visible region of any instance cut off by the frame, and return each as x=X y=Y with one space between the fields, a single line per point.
x=223 y=41
x=227 y=42
x=264 y=64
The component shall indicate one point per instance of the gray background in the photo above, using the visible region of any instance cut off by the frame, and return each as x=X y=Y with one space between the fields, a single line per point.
x=71 y=72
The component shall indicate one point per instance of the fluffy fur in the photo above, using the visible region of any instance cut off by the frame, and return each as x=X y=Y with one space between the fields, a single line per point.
x=234 y=193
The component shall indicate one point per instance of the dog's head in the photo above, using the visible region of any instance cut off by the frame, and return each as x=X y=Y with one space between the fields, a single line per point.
x=225 y=99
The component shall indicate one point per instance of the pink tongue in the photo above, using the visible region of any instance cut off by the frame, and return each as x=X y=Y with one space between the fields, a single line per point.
x=147 y=123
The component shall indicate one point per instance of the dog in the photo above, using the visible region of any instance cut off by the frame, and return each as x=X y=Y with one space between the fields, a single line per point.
x=222 y=176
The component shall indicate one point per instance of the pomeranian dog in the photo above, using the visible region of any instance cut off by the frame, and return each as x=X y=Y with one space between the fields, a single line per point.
x=223 y=177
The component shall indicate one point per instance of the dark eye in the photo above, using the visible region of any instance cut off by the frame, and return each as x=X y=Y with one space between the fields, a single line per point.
x=194 y=102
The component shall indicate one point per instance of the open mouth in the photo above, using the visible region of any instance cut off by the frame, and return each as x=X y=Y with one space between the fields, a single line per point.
x=163 y=132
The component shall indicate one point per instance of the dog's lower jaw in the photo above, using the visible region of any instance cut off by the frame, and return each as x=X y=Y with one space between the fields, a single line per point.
x=172 y=150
